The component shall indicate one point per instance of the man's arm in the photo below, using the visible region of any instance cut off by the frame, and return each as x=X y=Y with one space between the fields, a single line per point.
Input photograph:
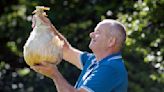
x=70 y=54
x=52 y=72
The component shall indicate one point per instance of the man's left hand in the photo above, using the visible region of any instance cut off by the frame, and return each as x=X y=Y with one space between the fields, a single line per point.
x=46 y=69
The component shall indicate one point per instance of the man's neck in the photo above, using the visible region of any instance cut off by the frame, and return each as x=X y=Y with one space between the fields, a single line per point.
x=102 y=54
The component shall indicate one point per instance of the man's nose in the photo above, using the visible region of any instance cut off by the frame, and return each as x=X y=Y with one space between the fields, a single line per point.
x=91 y=35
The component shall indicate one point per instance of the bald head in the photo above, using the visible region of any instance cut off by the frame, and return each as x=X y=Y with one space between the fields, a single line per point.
x=115 y=29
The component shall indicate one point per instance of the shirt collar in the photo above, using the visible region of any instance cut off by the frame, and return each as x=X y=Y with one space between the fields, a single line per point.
x=110 y=56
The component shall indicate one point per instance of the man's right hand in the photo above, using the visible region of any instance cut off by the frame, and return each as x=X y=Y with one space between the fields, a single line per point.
x=70 y=54
x=47 y=22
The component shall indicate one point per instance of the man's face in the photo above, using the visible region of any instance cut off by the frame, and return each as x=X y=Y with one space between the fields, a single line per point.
x=99 y=38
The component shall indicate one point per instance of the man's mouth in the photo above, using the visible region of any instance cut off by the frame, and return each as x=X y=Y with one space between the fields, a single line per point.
x=93 y=40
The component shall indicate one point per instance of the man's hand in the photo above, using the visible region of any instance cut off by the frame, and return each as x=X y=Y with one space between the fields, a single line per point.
x=52 y=72
x=70 y=54
x=47 y=22
x=46 y=69
x=44 y=20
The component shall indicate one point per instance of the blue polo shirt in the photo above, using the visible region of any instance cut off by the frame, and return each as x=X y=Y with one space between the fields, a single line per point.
x=107 y=75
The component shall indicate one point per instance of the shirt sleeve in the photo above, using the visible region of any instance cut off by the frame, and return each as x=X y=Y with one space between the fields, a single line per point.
x=84 y=57
x=103 y=80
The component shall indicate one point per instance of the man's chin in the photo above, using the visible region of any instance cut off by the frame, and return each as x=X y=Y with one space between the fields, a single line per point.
x=91 y=47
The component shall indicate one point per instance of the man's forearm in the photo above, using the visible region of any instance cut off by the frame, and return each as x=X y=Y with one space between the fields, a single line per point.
x=52 y=72
x=70 y=54
x=61 y=84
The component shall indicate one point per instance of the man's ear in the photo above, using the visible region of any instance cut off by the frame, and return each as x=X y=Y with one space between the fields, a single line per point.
x=111 y=42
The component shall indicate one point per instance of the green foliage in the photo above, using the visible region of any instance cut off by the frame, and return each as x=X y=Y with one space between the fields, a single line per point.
x=75 y=19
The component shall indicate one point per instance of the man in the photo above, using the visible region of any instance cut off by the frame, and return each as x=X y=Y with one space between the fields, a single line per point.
x=103 y=70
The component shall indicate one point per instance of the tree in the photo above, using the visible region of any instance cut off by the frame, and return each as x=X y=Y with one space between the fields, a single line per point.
x=75 y=19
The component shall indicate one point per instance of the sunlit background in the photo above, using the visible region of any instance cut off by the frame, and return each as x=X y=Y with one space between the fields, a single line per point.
x=75 y=19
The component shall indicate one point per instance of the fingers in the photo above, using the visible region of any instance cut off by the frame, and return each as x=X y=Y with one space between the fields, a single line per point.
x=43 y=66
x=40 y=69
x=46 y=69
x=33 y=21
x=37 y=67
x=47 y=63
x=45 y=20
